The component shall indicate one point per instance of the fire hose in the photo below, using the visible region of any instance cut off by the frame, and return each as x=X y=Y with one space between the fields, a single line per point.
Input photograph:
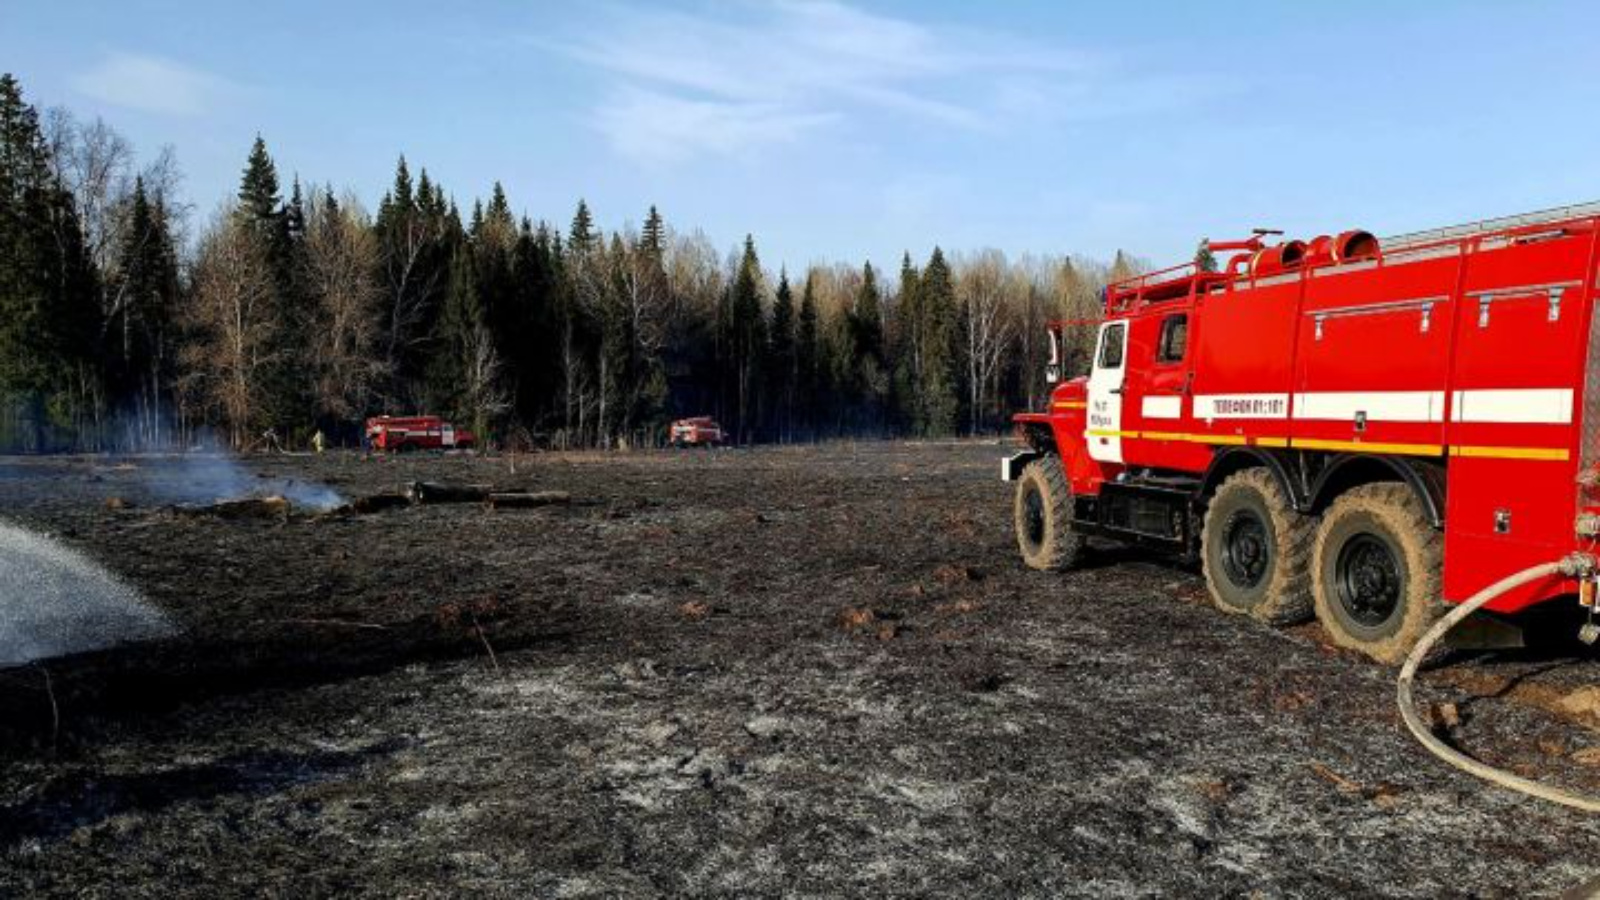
x=1576 y=565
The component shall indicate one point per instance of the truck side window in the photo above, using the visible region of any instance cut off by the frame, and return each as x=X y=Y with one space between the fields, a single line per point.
x=1174 y=339
x=1111 y=347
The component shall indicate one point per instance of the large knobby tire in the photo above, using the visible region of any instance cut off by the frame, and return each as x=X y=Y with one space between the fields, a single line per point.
x=1042 y=517
x=1256 y=550
x=1378 y=564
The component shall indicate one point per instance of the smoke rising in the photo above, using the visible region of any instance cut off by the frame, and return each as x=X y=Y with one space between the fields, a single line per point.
x=55 y=601
x=208 y=478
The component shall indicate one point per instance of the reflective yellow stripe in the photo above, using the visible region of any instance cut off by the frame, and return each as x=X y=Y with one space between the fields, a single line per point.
x=1555 y=454
x=1368 y=447
x=1071 y=404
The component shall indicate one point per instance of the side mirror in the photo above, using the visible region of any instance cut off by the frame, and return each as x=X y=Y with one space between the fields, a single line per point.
x=1052 y=373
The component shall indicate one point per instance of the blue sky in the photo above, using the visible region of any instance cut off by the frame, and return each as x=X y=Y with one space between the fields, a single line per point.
x=858 y=130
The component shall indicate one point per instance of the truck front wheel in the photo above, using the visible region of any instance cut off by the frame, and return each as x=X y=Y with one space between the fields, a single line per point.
x=1377 y=565
x=1042 y=514
x=1256 y=550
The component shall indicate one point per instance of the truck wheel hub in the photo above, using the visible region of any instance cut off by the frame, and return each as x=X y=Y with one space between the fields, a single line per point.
x=1245 y=549
x=1369 y=580
x=1033 y=516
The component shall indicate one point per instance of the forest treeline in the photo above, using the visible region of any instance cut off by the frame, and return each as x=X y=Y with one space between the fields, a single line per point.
x=293 y=308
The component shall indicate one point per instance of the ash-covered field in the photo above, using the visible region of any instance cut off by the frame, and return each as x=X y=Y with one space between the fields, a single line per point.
x=813 y=672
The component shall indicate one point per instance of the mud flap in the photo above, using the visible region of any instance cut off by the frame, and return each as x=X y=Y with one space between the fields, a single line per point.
x=1011 y=467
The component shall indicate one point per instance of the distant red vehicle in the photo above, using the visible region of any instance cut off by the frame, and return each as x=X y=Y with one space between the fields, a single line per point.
x=398 y=434
x=701 y=431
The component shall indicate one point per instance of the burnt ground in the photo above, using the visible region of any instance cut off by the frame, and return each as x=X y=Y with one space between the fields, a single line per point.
x=802 y=671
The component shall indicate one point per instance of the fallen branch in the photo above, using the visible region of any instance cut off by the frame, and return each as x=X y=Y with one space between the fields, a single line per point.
x=55 y=709
x=486 y=645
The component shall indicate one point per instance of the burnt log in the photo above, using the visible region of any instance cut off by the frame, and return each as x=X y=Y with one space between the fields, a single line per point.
x=437 y=492
x=376 y=503
x=246 y=508
x=529 y=500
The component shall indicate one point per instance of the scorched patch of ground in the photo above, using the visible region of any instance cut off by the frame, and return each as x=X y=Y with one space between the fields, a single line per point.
x=817 y=671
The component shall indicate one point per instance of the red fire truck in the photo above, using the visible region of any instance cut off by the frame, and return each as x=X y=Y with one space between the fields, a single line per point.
x=1358 y=430
x=700 y=431
x=400 y=434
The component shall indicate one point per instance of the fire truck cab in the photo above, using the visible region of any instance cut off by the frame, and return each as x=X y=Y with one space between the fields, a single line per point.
x=1355 y=430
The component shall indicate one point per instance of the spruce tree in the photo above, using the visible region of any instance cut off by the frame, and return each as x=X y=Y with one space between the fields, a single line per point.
x=144 y=294
x=653 y=239
x=908 y=347
x=1204 y=259
x=781 y=371
x=747 y=340
x=809 y=364
x=940 y=387
x=49 y=305
x=581 y=238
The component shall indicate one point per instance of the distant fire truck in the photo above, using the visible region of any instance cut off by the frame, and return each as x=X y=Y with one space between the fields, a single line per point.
x=700 y=431
x=1360 y=431
x=399 y=434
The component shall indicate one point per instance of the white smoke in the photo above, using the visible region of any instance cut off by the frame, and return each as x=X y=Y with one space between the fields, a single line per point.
x=208 y=478
x=55 y=601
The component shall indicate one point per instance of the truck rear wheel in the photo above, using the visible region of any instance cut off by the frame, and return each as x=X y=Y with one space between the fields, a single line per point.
x=1377 y=564
x=1042 y=515
x=1256 y=550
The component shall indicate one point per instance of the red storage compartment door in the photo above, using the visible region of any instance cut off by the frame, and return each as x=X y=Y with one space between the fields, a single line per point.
x=1513 y=429
x=1374 y=346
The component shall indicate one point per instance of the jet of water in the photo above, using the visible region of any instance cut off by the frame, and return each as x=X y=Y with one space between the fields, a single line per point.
x=55 y=601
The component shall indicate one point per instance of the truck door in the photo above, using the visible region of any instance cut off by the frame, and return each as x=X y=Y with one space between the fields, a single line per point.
x=1104 y=434
x=1156 y=392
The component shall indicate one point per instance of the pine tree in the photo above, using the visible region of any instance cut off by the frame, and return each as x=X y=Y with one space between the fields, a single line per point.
x=781 y=371
x=1204 y=259
x=908 y=347
x=940 y=387
x=49 y=305
x=465 y=376
x=139 y=358
x=581 y=237
x=653 y=239
x=747 y=340
x=258 y=189
x=867 y=317
x=1122 y=268
x=809 y=364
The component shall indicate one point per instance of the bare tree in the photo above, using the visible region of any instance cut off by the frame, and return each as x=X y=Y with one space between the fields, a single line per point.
x=339 y=263
x=95 y=163
x=485 y=398
x=410 y=282
x=982 y=284
x=234 y=330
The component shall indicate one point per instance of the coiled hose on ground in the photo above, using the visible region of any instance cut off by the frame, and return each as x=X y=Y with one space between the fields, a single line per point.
x=1420 y=730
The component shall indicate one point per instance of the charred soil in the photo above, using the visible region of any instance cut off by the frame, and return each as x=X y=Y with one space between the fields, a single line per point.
x=819 y=671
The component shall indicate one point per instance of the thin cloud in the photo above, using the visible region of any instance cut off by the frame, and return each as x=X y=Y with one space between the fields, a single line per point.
x=685 y=85
x=152 y=84
x=658 y=127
